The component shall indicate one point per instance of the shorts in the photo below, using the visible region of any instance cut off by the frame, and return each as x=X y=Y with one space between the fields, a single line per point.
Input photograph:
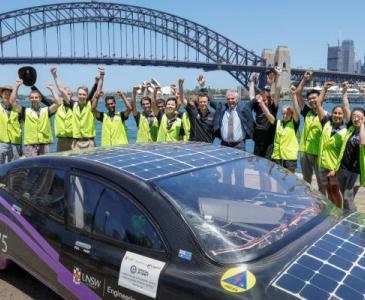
x=82 y=143
x=64 y=144
x=288 y=164
x=9 y=152
x=327 y=180
x=36 y=150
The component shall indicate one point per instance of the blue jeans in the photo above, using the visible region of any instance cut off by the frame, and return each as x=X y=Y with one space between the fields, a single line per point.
x=8 y=152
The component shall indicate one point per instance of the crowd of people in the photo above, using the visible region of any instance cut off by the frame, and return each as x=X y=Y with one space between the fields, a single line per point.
x=331 y=144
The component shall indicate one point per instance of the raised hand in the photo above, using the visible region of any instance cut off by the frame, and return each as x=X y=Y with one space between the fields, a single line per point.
x=201 y=80
x=18 y=82
x=53 y=71
x=253 y=77
x=278 y=70
x=293 y=89
x=50 y=86
x=308 y=74
x=135 y=89
x=181 y=81
x=259 y=99
x=345 y=86
x=101 y=71
x=328 y=84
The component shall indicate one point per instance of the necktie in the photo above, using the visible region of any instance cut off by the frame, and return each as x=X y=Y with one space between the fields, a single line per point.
x=230 y=127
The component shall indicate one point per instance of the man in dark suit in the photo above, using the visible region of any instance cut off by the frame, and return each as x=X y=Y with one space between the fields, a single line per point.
x=233 y=121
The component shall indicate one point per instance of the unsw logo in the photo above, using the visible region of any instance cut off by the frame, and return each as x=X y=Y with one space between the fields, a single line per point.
x=78 y=276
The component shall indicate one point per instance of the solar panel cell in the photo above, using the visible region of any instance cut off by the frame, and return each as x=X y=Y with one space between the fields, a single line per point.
x=336 y=265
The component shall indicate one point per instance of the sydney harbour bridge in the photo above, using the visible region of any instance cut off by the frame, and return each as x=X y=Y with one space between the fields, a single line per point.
x=118 y=34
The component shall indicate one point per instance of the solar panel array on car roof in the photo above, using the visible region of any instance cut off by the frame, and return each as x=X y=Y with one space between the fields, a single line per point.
x=332 y=268
x=151 y=161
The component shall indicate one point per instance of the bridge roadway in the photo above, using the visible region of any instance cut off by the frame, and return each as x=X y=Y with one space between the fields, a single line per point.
x=296 y=74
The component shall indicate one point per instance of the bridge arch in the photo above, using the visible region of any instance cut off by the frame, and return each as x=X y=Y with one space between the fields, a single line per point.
x=217 y=50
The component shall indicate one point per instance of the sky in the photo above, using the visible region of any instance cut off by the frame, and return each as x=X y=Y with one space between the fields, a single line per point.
x=306 y=27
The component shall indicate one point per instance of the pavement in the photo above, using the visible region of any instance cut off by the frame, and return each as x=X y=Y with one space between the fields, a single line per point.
x=359 y=199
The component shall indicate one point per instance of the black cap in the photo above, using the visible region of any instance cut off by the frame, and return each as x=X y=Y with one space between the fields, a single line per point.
x=28 y=75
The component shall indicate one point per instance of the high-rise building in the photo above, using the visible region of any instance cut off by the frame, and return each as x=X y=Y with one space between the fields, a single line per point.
x=348 y=52
x=357 y=68
x=334 y=58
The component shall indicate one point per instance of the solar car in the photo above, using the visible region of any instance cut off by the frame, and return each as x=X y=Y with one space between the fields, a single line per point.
x=176 y=221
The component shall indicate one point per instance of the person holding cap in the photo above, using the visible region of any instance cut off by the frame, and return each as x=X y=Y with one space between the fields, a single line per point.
x=37 y=124
x=10 y=127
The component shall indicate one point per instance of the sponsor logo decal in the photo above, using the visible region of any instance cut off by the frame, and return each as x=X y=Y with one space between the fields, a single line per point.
x=185 y=254
x=238 y=280
x=91 y=281
x=140 y=273
x=76 y=277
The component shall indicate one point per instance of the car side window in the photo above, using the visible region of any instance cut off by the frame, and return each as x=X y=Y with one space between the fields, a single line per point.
x=43 y=188
x=106 y=212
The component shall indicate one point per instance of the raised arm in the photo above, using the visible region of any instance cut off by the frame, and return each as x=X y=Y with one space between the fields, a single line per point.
x=307 y=76
x=277 y=86
x=362 y=132
x=133 y=101
x=57 y=100
x=14 y=95
x=265 y=110
x=94 y=104
x=251 y=90
x=345 y=101
x=127 y=104
x=295 y=104
x=181 y=100
x=59 y=85
x=153 y=100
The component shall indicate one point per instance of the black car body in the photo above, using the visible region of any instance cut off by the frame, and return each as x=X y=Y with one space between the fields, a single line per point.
x=176 y=221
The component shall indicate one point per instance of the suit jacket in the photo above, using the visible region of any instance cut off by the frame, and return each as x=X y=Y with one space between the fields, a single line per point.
x=244 y=111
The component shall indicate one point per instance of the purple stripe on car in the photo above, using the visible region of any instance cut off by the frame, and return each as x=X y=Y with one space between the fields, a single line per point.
x=64 y=275
x=31 y=230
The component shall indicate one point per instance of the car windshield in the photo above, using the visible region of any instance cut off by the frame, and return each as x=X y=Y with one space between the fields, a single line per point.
x=240 y=207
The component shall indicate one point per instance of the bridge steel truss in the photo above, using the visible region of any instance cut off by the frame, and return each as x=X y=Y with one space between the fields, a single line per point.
x=212 y=51
x=218 y=51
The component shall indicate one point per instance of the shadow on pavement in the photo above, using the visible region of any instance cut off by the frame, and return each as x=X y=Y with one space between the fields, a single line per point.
x=16 y=283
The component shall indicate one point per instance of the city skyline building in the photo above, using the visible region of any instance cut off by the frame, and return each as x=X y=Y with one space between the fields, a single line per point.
x=348 y=56
x=334 y=58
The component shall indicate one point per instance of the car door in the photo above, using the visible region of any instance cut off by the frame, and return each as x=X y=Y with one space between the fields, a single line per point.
x=104 y=225
x=37 y=214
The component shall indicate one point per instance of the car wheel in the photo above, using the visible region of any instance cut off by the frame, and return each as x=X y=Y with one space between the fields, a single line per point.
x=4 y=263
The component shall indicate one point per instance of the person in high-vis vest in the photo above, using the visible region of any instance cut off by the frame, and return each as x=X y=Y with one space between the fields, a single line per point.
x=331 y=141
x=10 y=128
x=311 y=134
x=64 y=115
x=113 y=131
x=286 y=146
x=183 y=116
x=146 y=121
x=170 y=125
x=83 y=119
x=37 y=123
x=351 y=173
